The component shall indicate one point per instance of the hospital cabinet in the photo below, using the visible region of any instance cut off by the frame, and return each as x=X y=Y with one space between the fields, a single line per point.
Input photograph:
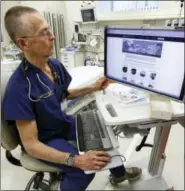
x=71 y=59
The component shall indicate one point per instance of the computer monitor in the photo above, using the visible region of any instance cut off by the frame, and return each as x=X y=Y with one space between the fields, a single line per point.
x=88 y=14
x=150 y=59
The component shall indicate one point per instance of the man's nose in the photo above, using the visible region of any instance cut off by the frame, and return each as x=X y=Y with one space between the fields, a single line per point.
x=52 y=36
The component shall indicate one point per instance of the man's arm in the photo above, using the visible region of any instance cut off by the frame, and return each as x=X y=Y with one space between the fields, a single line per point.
x=92 y=160
x=80 y=92
x=29 y=137
x=100 y=84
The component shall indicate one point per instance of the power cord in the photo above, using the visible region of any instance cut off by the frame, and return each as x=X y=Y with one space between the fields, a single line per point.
x=122 y=137
x=122 y=157
x=101 y=38
x=117 y=132
x=115 y=129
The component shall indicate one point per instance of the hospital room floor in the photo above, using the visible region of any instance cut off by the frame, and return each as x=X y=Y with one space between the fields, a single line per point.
x=16 y=178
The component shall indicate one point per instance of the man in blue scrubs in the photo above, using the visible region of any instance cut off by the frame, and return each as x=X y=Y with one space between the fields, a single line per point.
x=33 y=101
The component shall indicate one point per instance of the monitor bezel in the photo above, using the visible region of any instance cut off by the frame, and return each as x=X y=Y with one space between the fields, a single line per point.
x=88 y=9
x=182 y=93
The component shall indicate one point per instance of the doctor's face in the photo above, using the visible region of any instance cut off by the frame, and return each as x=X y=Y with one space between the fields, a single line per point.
x=40 y=41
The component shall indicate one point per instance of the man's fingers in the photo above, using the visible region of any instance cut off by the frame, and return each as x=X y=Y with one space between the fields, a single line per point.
x=103 y=159
x=100 y=164
x=97 y=167
x=102 y=80
x=101 y=153
x=105 y=86
x=111 y=81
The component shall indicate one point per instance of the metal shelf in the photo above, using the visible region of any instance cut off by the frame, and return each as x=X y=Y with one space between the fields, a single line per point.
x=86 y=23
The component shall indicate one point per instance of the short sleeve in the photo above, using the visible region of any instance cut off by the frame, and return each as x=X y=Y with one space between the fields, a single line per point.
x=16 y=104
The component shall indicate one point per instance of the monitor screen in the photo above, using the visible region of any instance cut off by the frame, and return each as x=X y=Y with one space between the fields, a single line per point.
x=150 y=59
x=88 y=15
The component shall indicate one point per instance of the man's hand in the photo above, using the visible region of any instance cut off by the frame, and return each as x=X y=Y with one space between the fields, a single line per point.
x=100 y=84
x=92 y=160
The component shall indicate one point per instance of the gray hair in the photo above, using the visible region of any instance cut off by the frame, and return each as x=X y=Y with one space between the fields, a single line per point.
x=15 y=22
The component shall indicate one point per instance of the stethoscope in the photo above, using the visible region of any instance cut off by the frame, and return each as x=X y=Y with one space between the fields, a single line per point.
x=25 y=66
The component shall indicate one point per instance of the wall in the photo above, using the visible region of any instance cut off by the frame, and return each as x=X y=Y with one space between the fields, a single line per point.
x=5 y=5
x=168 y=9
x=52 y=6
x=72 y=14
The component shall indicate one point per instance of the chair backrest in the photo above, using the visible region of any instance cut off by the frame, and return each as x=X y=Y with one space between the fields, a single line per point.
x=9 y=136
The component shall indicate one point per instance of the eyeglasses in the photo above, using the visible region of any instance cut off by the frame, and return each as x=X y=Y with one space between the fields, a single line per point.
x=46 y=33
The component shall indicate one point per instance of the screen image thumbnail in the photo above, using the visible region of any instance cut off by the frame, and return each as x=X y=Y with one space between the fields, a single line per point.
x=142 y=47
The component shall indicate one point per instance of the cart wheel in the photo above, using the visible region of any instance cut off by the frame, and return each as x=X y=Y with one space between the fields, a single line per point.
x=113 y=183
x=138 y=148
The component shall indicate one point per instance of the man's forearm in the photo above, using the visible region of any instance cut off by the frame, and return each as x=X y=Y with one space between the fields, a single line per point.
x=44 y=152
x=79 y=92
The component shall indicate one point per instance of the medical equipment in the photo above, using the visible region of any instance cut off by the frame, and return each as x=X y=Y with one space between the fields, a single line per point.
x=93 y=42
x=168 y=23
x=139 y=116
x=88 y=14
x=76 y=28
x=151 y=50
x=134 y=116
x=11 y=52
x=81 y=37
x=144 y=57
x=9 y=66
x=181 y=23
x=78 y=37
x=72 y=58
x=175 y=23
x=25 y=67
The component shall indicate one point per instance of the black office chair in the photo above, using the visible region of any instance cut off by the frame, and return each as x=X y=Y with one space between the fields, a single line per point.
x=143 y=142
x=130 y=130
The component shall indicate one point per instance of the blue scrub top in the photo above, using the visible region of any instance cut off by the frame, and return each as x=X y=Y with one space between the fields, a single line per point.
x=51 y=121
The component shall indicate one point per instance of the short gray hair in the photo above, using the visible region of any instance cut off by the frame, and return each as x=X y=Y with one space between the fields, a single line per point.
x=14 y=21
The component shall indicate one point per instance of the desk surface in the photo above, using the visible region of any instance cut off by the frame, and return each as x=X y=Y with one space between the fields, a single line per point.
x=128 y=115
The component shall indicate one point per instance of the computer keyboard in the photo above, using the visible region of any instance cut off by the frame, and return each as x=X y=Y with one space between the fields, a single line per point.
x=91 y=132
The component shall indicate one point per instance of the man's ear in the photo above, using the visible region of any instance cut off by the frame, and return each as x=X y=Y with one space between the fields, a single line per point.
x=22 y=43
